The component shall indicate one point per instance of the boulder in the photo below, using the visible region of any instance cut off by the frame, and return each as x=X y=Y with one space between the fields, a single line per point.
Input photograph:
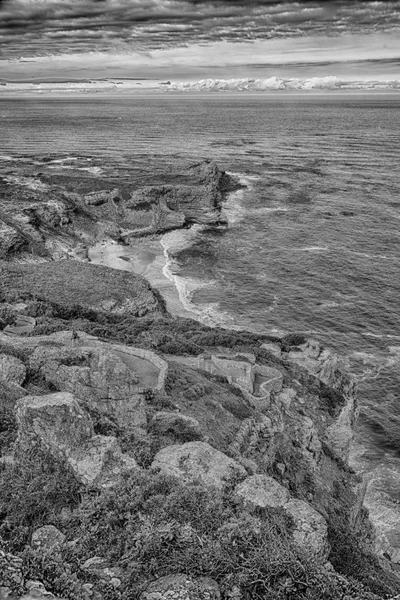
x=198 y=461
x=58 y=424
x=12 y=369
x=181 y=426
x=311 y=531
x=310 y=528
x=181 y=587
x=95 y=375
x=47 y=538
x=262 y=490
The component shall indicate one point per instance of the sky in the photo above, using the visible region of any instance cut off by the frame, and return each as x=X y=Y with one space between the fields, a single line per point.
x=193 y=39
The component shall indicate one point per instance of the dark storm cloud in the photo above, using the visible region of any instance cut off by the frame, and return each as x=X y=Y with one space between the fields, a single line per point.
x=40 y=27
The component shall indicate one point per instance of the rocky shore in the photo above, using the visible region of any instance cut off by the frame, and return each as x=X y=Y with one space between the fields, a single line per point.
x=147 y=456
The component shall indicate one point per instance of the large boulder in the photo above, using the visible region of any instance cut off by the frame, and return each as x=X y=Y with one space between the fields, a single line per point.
x=181 y=587
x=198 y=461
x=57 y=423
x=12 y=369
x=95 y=375
x=310 y=529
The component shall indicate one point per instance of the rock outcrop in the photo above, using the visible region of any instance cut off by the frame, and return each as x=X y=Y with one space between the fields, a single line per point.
x=198 y=461
x=59 y=426
x=160 y=208
x=329 y=368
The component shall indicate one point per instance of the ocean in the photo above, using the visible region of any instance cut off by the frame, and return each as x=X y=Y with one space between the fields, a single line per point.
x=313 y=242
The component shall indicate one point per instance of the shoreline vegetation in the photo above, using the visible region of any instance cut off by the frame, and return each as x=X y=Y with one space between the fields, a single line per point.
x=147 y=456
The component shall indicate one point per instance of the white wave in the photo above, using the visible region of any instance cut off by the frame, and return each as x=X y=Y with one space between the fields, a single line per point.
x=313 y=249
x=329 y=82
x=173 y=243
x=233 y=208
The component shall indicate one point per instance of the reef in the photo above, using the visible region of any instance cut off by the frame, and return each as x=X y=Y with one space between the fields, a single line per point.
x=149 y=456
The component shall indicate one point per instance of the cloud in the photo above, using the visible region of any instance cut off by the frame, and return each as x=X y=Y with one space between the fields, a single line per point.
x=45 y=27
x=276 y=83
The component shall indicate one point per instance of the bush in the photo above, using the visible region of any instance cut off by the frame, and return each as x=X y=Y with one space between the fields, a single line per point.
x=152 y=525
x=292 y=340
x=32 y=492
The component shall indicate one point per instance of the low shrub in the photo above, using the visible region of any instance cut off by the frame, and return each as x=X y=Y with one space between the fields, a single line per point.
x=32 y=491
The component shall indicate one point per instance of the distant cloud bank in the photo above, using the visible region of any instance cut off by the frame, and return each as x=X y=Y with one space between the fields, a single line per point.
x=275 y=83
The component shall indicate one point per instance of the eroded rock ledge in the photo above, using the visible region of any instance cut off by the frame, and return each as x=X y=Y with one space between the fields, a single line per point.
x=46 y=217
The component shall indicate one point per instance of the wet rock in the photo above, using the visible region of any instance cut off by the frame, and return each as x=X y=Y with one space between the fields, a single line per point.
x=12 y=369
x=182 y=587
x=47 y=538
x=58 y=424
x=198 y=461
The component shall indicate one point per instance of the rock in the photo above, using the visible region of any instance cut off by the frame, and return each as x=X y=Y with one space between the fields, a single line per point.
x=22 y=325
x=262 y=490
x=10 y=240
x=311 y=531
x=98 y=566
x=98 y=376
x=171 y=423
x=47 y=538
x=51 y=213
x=58 y=424
x=102 y=197
x=36 y=589
x=330 y=369
x=181 y=587
x=274 y=349
x=164 y=207
x=198 y=461
x=12 y=369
